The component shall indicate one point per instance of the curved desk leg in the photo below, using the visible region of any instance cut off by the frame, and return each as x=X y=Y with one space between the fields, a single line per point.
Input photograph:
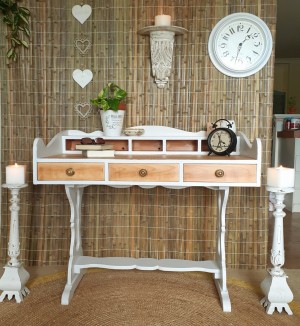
x=74 y=194
x=220 y=280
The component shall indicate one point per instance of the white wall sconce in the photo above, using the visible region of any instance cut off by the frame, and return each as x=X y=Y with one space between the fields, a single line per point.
x=162 y=43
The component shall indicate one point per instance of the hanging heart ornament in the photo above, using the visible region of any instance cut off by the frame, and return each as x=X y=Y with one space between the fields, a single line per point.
x=82 y=13
x=82 y=78
x=83 y=109
x=82 y=45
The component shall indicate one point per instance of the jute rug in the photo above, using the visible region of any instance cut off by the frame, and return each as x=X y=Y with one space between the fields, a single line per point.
x=109 y=297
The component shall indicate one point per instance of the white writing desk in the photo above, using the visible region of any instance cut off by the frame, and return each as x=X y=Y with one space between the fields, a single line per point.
x=162 y=156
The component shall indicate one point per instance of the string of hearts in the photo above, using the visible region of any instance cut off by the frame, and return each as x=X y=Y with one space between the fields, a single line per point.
x=82 y=78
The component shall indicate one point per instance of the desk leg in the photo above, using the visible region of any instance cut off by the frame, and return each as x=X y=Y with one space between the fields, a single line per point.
x=220 y=280
x=74 y=194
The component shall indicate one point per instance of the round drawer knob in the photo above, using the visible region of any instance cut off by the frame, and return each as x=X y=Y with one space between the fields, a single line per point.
x=70 y=172
x=143 y=172
x=219 y=173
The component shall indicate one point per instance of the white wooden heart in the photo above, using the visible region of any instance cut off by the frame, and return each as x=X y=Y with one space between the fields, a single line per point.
x=82 y=13
x=82 y=78
x=83 y=109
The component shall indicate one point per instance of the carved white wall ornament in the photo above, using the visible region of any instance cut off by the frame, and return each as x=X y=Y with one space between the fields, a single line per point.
x=161 y=56
x=83 y=109
x=162 y=44
x=82 y=45
x=82 y=13
x=82 y=78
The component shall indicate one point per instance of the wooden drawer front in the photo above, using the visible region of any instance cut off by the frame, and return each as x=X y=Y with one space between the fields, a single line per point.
x=71 y=171
x=143 y=172
x=219 y=173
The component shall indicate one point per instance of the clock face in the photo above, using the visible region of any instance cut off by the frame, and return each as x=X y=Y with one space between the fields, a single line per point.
x=220 y=141
x=240 y=45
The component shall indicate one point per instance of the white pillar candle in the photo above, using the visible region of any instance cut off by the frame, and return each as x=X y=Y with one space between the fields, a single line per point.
x=15 y=174
x=162 y=20
x=281 y=177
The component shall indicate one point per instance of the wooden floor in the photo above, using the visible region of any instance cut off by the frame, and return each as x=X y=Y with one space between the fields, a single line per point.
x=291 y=227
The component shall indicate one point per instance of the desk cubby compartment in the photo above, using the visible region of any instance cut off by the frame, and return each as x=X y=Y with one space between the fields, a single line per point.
x=152 y=145
x=71 y=144
x=118 y=144
x=182 y=145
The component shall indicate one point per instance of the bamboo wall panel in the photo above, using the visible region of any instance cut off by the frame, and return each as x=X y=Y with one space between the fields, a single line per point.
x=38 y=96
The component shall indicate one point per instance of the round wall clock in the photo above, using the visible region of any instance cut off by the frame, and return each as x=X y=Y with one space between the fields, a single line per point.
x=221 y=141
x=240 y=45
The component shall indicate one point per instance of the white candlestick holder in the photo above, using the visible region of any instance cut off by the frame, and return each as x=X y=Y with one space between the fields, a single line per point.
x=274 y=286
x=14 y=278
x=162 y=44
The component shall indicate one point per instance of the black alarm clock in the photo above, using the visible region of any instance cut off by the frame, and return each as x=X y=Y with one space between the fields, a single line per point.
x=221 y=141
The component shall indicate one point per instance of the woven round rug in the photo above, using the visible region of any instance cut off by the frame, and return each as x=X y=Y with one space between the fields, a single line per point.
x=109 y=297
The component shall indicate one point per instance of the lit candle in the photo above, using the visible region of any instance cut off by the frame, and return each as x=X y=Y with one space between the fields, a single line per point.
x=162 y=20
x=15 y=174
x=281 y=177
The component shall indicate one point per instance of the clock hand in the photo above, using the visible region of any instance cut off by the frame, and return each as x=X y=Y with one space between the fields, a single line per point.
x=238 y=51
x=246 y=39
x=220 y=142
x=241 y=44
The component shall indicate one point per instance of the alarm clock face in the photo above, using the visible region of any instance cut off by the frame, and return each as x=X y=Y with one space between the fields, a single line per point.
x=221 y=141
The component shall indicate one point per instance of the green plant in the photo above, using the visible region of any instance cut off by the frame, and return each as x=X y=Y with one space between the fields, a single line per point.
x=17 y=20
x=110 y=97
x=291 y=101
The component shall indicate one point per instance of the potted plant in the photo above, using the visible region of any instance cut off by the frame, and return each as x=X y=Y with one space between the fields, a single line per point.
x=112 y=108
x=292 y=105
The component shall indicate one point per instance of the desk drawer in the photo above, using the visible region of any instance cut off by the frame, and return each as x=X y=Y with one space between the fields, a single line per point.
x=143 y=172
x=71 y=171
x=238 y=173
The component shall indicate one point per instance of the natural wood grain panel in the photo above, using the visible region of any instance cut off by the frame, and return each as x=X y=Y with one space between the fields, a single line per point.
x=207 y=173
x=134 y=172
x=82 y=171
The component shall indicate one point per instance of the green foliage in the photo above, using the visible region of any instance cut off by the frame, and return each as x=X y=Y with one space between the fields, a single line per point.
x=292 y=101
x=110 y=97
x=17 y=20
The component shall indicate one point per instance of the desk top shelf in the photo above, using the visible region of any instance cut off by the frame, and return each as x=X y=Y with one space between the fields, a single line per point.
x=162 y=151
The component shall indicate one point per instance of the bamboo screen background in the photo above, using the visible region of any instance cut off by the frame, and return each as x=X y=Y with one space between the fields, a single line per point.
x=38 y=96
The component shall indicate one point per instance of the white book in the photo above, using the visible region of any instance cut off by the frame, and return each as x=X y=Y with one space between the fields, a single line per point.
x=104 y=153
x=93 y=147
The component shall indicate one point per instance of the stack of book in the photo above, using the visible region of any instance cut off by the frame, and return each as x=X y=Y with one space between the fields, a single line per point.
x=95 y=150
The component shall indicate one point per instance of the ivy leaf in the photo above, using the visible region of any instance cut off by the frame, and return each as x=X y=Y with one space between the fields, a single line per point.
x=24 y=43
x=26 y=21
x=27 y=31
x=17 y=41
x=24 y=11
x=10 y=52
